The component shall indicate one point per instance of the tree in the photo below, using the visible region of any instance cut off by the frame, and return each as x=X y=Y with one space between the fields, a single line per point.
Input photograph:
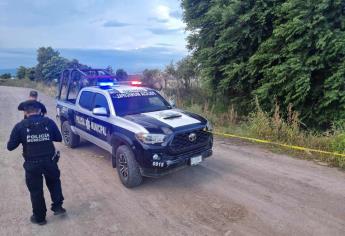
x=186 y=71
x=121 y=75
x=52 y=69
x=44 y=54
x=170 y=73
x=109 y=69
x=21 y=71
x=30 y=73
x=74 y=63
x=170 y=70
x=5 y=76
x=289 y=52
x=153 y=78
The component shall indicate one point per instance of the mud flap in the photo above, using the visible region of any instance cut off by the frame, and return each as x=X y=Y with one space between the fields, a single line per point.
x=113 y=160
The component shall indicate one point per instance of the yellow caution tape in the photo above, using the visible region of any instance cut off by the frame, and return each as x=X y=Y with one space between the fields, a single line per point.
x=279 y=144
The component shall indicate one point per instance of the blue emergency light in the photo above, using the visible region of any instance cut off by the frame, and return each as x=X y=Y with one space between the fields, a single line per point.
x=105 y=84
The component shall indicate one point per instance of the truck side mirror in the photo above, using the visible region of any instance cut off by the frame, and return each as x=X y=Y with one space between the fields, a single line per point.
x=100 y=111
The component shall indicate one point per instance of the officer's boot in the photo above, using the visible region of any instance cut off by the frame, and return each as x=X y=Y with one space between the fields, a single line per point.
x=58 y=210
x=34 y=220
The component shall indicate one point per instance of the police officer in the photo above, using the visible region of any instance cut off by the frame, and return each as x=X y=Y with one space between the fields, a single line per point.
x=33 y=96
x=37 y=134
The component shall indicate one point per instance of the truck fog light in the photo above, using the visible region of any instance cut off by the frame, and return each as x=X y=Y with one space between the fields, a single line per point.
x=156 y=157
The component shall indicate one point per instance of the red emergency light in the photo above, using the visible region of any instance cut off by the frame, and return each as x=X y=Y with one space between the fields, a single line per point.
x=136 y=83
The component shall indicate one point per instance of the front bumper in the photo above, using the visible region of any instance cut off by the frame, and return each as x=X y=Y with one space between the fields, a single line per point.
x=170 y=164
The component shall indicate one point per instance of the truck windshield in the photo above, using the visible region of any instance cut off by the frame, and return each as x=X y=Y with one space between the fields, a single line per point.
x=138 y=102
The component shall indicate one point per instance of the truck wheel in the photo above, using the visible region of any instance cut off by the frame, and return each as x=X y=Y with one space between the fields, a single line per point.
x=127 y=167
x=70 y=139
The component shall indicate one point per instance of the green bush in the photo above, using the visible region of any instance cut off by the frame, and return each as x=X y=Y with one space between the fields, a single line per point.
x=338 y=143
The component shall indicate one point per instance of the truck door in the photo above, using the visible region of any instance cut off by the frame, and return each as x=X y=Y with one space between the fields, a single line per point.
x=82 y=115
x=100 y=125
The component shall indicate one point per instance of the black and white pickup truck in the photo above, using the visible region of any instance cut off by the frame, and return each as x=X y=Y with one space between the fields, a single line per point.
x=144 y=133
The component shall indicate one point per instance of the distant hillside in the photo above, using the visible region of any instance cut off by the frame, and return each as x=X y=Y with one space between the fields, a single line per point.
x=133 y=61
x=11 y=71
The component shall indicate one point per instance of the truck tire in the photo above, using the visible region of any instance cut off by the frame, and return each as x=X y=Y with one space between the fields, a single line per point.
x=127 y=167
x=70 y=139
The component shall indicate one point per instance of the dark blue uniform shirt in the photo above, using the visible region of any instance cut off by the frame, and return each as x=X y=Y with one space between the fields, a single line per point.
x=17 y=138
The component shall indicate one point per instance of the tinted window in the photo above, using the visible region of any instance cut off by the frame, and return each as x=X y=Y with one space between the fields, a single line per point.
x=86 y=100
x=100 y=101
x=138 y=102
x=156 y=101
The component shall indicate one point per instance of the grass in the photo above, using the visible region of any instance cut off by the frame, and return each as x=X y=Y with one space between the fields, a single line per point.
x=48 y=89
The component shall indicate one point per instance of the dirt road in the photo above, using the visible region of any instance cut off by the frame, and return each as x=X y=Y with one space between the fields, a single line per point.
x=242 y=190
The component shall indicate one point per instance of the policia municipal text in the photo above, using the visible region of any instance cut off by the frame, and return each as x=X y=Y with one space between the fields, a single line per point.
x=37 y=134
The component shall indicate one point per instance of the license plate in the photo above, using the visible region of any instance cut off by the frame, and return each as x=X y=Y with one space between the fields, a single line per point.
x=195 y=160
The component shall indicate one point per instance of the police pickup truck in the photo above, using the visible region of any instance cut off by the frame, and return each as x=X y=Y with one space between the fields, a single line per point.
x=144 y=133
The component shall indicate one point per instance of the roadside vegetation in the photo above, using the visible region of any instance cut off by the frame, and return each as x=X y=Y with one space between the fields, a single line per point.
x=47 y=88
x=264 y=125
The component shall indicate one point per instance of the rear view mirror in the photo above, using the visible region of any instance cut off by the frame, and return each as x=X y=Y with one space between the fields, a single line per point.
x=100 y=111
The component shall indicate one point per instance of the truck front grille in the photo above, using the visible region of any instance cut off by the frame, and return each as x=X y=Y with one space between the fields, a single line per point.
x=187 y=141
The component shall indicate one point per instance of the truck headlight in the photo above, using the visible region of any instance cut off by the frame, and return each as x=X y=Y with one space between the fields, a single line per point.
x=209 y=126
x=150 y=138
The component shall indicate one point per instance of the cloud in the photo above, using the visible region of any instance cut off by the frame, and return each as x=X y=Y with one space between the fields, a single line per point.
x=164 y=31
x=171 y=21
x=176 y=14
x=163 y=12
x=164 y=44
x=138 y=24
x=158 y=20
x=115 y=23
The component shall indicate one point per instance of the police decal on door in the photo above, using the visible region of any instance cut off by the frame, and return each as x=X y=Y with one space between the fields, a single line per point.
x=100 y=129
x=90 y=125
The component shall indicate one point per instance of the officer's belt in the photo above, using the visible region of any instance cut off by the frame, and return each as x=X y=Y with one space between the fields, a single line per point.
x=38 y=159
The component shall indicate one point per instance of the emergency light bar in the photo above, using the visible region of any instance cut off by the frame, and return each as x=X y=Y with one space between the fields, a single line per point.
x=105 y=84
x=136 y=83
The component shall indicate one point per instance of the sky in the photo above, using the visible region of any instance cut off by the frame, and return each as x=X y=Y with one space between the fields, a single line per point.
x=125 y=32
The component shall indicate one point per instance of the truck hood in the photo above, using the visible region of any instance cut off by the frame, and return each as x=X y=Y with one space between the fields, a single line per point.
x=163 y=121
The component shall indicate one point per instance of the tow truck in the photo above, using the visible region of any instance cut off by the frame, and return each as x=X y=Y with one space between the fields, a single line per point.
x=145 y=135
